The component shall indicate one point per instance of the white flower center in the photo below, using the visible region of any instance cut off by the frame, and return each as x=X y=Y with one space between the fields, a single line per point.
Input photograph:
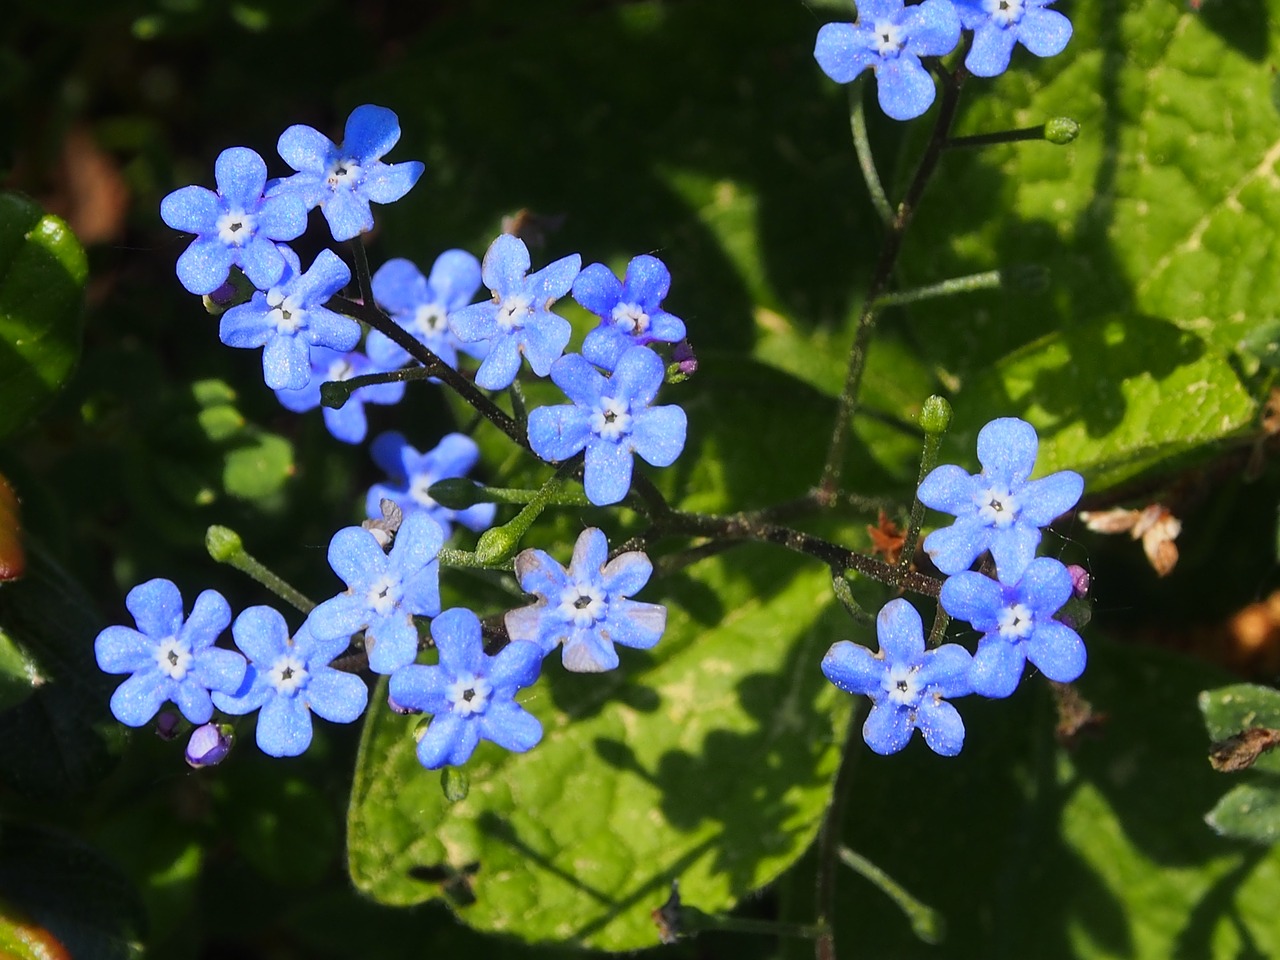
x=1005 y=12
x=1016 y=622
x=582 y=604
x=287 y=674
x=997 y=507
x=430 y=319
x=612 y=419
x=384 y=595
x=418 y=486
x=630 y=319
x=173 y=658
x=344 y=173
x=888 y=38
x=287 y=315
x=513 y=311
x=469 y=694
x=901 y=685
x=235 y=227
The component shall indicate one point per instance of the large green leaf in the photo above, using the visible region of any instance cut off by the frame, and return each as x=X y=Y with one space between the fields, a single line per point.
x=1162 y=209
x=42 y=276
x=1248 y=810
x=708 y=761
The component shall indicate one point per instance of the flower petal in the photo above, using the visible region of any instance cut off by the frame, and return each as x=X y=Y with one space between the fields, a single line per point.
x=900 y=632
x=586 y=651
x=204 y=266
x=1058 y=651
x=241 y=176
x=1044 y=32
x=946 y=671
x=388 y=182
x=553 y=281
x=991 y=51
x=954 y=548
x=284 y=727
x=544 y=341
x=448 y=739
x=853 y=668
x=516 y=665
x=1048 y=498
x=888 y=728
x=637 y=376
x=510 y=727
x=124 y=650
x=647 y=282
x=370 y=132
x=156 y=607
x=595 y=288
x=635 y=624
x=607 y=473
x=904 y=87
x=500 y=367
x=941 y=725
x=421 y=687
x=949 y=489
x=505 y=264
x=347 y=214
x=1045 y=586
x=1007 y=450
x=997 y=667
x=392 y=642
x=658 y=434
x=557 y=433
x=191 y=209
x=336 y=696
x=455 y=278
x=842 y=52
x=459 y=641
x=973 y=598
x=1013 y=548
x=261 y=633
x=626 y=574
x=138 y=699
x=219 y=669
x=306 y=149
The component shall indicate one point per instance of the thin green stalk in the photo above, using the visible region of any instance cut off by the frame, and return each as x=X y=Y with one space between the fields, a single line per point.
x=945 y=288
x=364 y=283
x=926 y=923
x=862 y=147
x=1020 y=135
x=226 y=546
x=335 y=393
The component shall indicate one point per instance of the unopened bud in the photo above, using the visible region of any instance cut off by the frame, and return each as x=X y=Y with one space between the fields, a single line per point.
x=223 y=543
x=1079 y=580
x=1061 y=130
x=455 y=493
x=935 y=416
x=235 y=291
x=497 y=544
x=334 y=393
x=167 y=725
x=210 y=744
x=456 y=784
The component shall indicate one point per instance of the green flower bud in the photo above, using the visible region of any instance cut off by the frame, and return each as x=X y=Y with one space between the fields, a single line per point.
x=223 y=544
x=455 y=783
x=1061 y=130
x=935 y=416
x=455 y=493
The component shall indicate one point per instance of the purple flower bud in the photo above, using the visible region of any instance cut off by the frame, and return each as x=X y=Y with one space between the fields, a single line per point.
x=167 y=725
x=1079 y=580
x=224 y=295
x=683 y=355
x=209 y=744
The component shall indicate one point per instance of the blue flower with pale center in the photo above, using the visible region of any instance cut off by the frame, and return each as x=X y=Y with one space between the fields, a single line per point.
x=344 y=180
x=518 y=320
x=1017 y=625
x=469 y=694
x=999 y=24
x=612 y=418
x=422 y=306
x=288 y=680
x=631 y=312
x=587 y=607
x=908 y=685
x=170 y=657
x=890 y=39
x=236 y=226
x=290 y=318
x=348 y=422
x=1000 y=509
x=385 y=591
x=412 y=474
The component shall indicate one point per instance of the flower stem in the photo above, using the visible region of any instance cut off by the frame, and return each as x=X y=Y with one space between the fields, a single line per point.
x=335 y=393
x=935 y=417
x=926 y=923
x=824 y=947
x=945 y=288
x=226 y=546
x=847 y=404
x=363 y=282
x=862 y=147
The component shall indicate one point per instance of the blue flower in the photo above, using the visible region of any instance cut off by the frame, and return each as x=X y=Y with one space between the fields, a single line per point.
x=384 y=591
x=612 y=419
x=999 y=509
x=1017 y=625
x=422 y=304
x=998 y=24
x=412 y=473
x=290 y=318
x=907 y=684
x=631 y=311
x=348 y=422
x=235 y=226
x=343 y=180
x=469 y=694
x=890 y=39
x=518 y=320
x=288 y=680
x=170 y=658
x=209 y=744
x=586 y=607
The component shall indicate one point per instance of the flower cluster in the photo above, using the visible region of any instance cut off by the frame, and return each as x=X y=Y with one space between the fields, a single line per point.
x=889 y=38
x=999 y=510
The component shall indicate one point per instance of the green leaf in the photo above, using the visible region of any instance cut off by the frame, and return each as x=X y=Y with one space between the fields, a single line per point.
x=1110 y=398
x=707 y=761
x=1248 y=811
x=1163 y=208
x=1090 y=854
x=19 y=674
x=1228 y=710
x=42 y=276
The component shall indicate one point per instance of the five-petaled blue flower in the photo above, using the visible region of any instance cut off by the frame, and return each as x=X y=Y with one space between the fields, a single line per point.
x=890 y=39
x=290 y=318
x=170 y=658
x=611 y=418
x=631 y=312
x=469 y=694
x=348 y=422
x=412 y=474
x=384 y=591
x=288 y=680
x=518 y=320
x=422 y=306
x=234 y=226
x=1017 y=625
x=999 y=509
x=343 y=180
x=907 y=684
x=586 y=607
x=998 y=24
